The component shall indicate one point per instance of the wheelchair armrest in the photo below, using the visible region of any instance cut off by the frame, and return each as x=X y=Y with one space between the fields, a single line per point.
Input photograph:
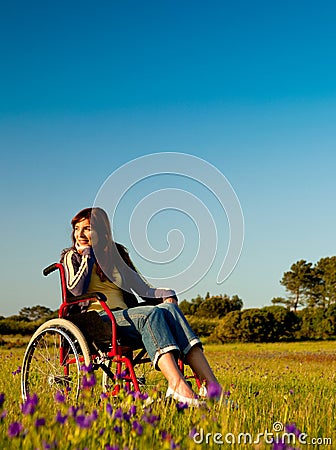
x=92 y=296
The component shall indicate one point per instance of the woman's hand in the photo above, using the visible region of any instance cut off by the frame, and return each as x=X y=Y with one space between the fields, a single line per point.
x=170 y=300
x=80 y=248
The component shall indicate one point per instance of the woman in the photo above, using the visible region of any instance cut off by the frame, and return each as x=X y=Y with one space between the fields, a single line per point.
x=95 y=263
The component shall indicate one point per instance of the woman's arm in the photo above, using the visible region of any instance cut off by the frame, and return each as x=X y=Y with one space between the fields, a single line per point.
x=78 y=268
x=134 y=281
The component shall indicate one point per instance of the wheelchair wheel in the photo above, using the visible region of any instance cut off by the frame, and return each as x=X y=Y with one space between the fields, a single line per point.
x=53 y=360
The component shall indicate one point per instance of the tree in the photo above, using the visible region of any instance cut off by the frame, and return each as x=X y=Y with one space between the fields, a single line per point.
x=185 y=307
x=190 y=307
x=282 y=301
x=216 y=306
x=323 y=292
x=228 y=328
x=298 y=282
x=211 y=306
x=317 y=323
x=236 y=303
x=35 y=313
x=219 y=306
x=284 y=324
x=269 y=324
x=256 y=325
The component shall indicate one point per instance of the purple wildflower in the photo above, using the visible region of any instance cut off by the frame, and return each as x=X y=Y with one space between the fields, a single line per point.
x=109 y=409
x=83 y=421
x=117 y=429
x=291 y=428
x=132 y=410
x=118 y=414
x=168 y=438
x=136 y=426
x=291 y=391
x=17 y=371
x=3 y=415
x=279 y=446
x=192 y=432
x=14 y=429
x=151 y=419
x=114 y=447
x=180 y=406
x=139 y=395
x=126 y=417
x=29 y=406
x=101 y=431
x=72 y=411
x=47 y=446
x=93 y=416
x=59 y=397
x=2 y=399
x=214 y=390
x=86 y=369
x=88 y=382
x=40 y=422
x=121 y=375
x=61 y=419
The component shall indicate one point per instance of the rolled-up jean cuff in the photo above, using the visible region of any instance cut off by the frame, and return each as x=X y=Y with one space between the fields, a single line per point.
x=191 y=344
x=173 y=348
x=162 y=351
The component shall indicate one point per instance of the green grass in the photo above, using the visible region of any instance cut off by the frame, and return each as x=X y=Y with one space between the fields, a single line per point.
x=269 y=384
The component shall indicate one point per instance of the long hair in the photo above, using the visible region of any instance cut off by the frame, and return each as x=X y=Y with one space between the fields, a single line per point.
x=106 y=250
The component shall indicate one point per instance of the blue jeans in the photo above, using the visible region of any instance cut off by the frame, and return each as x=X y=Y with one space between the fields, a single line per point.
x=160 y=329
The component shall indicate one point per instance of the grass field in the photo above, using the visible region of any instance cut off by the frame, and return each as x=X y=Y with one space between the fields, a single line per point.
x=282 y=391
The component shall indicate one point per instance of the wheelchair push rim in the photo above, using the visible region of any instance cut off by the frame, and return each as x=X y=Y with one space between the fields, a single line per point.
x=53 y=360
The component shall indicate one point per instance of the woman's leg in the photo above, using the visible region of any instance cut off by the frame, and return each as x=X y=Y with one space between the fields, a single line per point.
x=176 y=381
x=164 y=334
x=179 y=327
x=199 y=364
x=194 y=355
x=150 y=324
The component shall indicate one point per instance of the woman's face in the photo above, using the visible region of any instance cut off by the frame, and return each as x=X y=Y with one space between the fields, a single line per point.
x=83 y=234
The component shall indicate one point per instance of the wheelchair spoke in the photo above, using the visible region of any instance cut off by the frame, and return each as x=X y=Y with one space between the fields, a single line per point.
x=53 y=360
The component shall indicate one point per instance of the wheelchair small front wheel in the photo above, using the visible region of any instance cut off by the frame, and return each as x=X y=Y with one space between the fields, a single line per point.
x=53 y=360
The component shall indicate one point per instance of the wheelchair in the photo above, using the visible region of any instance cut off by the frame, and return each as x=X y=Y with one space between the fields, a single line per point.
x=64 y=351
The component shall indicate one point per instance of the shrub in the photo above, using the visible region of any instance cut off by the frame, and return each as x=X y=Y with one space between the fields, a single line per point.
x=202 y=327
x=268 y=324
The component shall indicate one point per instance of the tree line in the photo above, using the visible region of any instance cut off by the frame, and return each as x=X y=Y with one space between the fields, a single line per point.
x=26 y=321
x=308 y=311
x=309 y=285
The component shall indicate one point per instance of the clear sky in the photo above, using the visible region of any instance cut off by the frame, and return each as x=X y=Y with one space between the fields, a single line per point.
x=87 y=86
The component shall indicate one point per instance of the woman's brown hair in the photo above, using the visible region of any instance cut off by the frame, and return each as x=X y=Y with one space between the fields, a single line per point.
x=106 y=249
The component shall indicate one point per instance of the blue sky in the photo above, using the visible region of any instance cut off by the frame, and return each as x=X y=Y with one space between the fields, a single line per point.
x=248 y=87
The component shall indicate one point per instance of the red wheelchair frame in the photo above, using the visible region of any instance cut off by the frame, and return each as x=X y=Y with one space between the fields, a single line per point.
x=68 y=330
x=117 y=353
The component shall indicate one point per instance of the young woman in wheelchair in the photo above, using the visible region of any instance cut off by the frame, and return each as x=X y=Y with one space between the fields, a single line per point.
x=95 y=263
